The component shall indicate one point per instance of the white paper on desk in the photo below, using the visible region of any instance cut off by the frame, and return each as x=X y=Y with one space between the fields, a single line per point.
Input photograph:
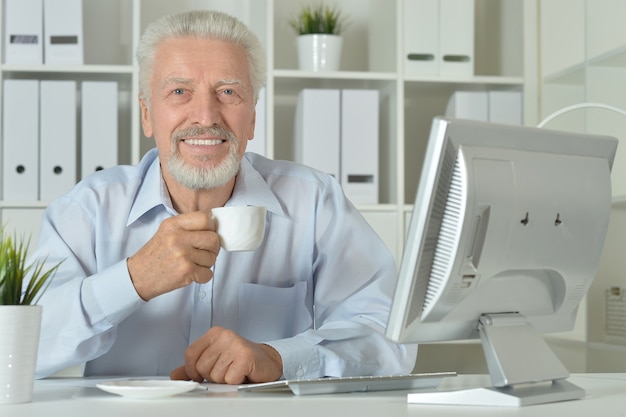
x=213 y=387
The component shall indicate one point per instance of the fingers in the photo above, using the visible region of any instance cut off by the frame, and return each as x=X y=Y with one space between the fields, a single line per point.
x=196 y=236
x=198 y=220
x=179 y=374
x=202 y=355
x=222 y=356
x=182 y=251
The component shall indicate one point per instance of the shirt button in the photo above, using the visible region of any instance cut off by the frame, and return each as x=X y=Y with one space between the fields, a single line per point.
x=299 y=372
x=202 y=295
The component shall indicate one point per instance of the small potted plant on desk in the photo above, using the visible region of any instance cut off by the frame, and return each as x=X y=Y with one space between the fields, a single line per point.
x=21 y=286
x=319 y=31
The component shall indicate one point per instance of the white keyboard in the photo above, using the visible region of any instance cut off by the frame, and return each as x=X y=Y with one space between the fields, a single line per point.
x=334 y=385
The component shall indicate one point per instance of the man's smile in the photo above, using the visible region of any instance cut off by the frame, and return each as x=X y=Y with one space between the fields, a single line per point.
x=204 y=142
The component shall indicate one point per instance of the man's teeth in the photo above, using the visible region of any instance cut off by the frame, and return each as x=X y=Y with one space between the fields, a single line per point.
x=205 y=142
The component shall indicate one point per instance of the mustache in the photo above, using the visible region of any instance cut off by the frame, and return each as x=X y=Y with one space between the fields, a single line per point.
x=215 y=131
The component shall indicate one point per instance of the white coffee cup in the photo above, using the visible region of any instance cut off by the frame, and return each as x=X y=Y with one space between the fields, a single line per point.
x=240 y=228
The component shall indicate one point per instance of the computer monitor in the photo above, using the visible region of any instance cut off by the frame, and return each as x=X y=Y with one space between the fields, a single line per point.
x=505 y=238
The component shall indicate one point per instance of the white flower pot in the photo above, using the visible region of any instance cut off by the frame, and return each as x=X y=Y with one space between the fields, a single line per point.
x=318 y=52
x=19 y=339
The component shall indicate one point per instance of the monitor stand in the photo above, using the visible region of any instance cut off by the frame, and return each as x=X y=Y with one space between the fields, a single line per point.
x=523 y=369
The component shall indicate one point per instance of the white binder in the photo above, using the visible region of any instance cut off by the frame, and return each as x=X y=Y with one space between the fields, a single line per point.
x=359 y=145
x=63 y=32
x=505 y=107
x=99 y=126
x=421 y=37
x=317 y=129
x=57 y=148
x=472 y=105
x=258 y=144
x=20 y=135
x=456 y=34
x=23 y=24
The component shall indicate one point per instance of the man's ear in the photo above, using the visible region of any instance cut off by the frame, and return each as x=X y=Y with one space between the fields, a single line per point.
x=252 y=125
x=146 y=124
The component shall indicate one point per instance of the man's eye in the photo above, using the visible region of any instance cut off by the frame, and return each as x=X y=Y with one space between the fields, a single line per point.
x=179 y=91
x=229 y=95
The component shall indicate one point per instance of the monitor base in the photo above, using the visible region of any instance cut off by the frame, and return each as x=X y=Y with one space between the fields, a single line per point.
x=514 y=396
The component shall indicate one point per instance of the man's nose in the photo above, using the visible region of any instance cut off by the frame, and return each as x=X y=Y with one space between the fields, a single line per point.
x=205 y=110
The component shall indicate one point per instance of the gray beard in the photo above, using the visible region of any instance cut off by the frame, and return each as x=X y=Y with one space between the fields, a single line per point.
x=203 y=177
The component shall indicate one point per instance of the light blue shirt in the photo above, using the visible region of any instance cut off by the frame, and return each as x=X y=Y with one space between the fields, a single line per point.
x=318 y=289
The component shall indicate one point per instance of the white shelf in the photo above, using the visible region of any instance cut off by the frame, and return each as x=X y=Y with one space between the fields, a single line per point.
x=382 y=208
x=24 y=204
x=576 y=74
x=83 y=69
x=335 y=75
x=482 y=80
x=619 y=201
x=614 y=58
x=373 y=40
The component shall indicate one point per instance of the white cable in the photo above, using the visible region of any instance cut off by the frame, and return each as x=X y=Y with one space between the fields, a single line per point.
x=580 y=106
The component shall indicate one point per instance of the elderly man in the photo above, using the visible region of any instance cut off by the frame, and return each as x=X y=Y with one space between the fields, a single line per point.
x=144 y=288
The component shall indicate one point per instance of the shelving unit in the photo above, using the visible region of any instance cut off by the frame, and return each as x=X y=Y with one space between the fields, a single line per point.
x=372 y=58
x=591 y=69
x=108 y=44
x=583 y=59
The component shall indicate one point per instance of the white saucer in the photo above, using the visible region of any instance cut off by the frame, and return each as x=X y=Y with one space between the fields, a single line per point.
x=146 y=388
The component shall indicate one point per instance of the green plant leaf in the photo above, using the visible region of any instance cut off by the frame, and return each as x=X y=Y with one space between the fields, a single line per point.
x=14 y=272
x=321 y=19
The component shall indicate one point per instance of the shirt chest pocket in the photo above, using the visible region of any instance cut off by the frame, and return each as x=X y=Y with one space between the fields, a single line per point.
x=272 y=313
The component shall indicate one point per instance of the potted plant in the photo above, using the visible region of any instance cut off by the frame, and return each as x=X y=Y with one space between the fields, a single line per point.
x=21 y=286
x=319 y=30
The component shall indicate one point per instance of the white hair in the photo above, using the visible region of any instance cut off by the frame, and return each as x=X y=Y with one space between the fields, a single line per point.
x=204 y=24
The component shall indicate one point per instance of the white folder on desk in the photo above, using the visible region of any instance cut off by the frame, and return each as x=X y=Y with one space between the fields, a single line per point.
x=359 y=145
x=99 y=126
x=63 y=32
x=20 y=135
x=317 y=129
x=421 y=37
x=23 y=26
x=456 y=37
x=57 y=172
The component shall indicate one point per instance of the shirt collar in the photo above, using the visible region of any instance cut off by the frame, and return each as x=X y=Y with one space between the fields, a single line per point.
x=152 y=192
x=251 y=189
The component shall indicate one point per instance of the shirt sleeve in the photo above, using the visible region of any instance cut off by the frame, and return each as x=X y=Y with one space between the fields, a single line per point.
x=91 y=305
x=355 y=276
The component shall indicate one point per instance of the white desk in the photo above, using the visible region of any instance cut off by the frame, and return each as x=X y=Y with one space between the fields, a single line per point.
x=606 y=396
